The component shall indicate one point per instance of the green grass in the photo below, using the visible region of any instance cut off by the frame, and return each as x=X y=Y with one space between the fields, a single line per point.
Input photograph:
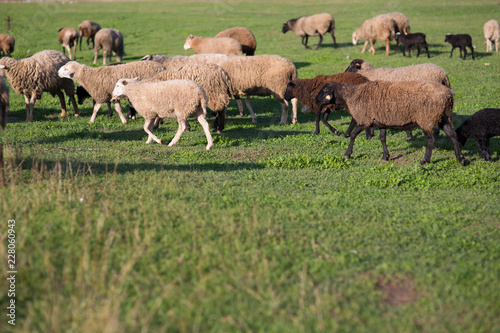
x=270 y=231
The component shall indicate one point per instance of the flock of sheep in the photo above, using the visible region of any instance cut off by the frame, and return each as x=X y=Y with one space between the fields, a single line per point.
x=404 y=98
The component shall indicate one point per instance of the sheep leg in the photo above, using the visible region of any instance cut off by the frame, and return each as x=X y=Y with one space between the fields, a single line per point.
x=72 y=99
x=105 y=57
x=60 y=94
x=284 y=110
x=350 y=128
x=472 y=51
x=496 y=46
x=364 y=47
x=404 y=54
x=448 y=130
x=203 y=122
x=305 y=44
x=488 y=45
x=320 y=41
x=157 y=122
x=387 y=48
x=182 y=127
x=221 y=116
x=27 y=100
x=333 y=37
x=240 y=105
x=385 y=156
x=118 y=109
x=325 y=121
x=427 y=50
x=465 y=52
x=372 y=48
x=452 y=48
x=110 y=110
x=249 y=106
x=484 y=145
x=97 y=106
x=96 y=53
x=354 y=134
x=419 y=50
x=429 y=146
x=147 y=128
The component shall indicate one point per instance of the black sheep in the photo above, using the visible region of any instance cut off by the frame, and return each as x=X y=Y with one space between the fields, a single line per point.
x=462 y=41
x=482 y=125
x=409 y=41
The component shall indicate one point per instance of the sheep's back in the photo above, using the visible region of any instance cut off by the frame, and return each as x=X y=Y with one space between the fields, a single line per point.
x=491 y=30
x=315 y=24
x=420 y=72
x=242 y=35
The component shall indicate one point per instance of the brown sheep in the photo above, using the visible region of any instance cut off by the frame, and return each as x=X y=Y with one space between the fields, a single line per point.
x=88 y=29
x=396 y=105
x=224 y=45
x=315 y=25
x=242 y=35
x=306 y=90
x=381 y=27
x=68 y=37
x=7 y=43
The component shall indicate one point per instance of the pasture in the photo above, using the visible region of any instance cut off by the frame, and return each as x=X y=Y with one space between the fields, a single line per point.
x=271 y=230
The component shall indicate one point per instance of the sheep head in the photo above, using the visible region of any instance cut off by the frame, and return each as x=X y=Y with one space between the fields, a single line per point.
x=289 y=93
x=326 y=95
x=187 y=44
x=119 y=92
x=355 y=66
x=68 y=70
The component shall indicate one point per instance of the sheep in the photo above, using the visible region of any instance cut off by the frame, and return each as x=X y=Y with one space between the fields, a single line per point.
x=100 y=81
x=482 y=125
x=396 y=105
x=315 y=25
x=68 y=37
x=380 y=27
x=224 y=45
x=462 y=41
x=242 y=35
x=214 y=80
x=402 y=22
x=491 y=31
x=4 y=110
x=172 y=98
x=88 y=29
x=83 y=94
x=36 y=74
x=7 y=43
x=261 y=75
x=306 y=90
x=110 y=40
x=410 y=40
x=203 y=58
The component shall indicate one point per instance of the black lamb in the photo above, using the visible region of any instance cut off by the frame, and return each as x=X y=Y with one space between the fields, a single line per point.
x=462 y=41
x=482 y=125
x=409 y=41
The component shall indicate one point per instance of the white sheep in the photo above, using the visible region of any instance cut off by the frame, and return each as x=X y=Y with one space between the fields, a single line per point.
x=262 y=75
x=109 y=40
x=88 y=29
x=224 y=45
x=68 y=37
x=100 y=82
x=34 y=75
x=172 y=98
x=381 y=27
x=315 y=25
x=491 y=31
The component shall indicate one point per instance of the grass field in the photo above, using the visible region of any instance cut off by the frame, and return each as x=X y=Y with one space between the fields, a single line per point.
x=270 y=231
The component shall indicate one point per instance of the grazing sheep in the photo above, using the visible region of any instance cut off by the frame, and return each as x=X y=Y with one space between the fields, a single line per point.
x=461 y=41
x=261 y=75
x=7 y=44
x=315 y=25
x=34 y=75
x=402 y=22
x=214 y=80
x=491 y=31
x=482 y=125
x=410 y=40
x=381 y=27
x=242 y=35
x=99 y=82
x=224 y=45
x=4 y=110
x=396 y=105
x=109 y=40
x=68 y=37
x=88 y=29
x=172 y=98
x=178 y=60
x=306 y=90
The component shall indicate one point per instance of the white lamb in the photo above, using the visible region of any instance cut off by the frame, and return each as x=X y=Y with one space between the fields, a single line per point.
x=172 y=98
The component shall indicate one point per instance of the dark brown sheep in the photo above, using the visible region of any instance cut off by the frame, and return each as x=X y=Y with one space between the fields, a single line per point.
x=306 y=90
x=88 y=29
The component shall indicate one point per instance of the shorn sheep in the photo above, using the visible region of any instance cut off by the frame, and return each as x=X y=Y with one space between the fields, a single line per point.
x=412 y=40
x=311 y=26
x=172 y=98
x=261 y=75
x=100 y=82
x=481 y=126
x=462 y=41
x=109 y=40
x=242 y=35
x=88 y=29
x=7 y=44
x=37 y=74
x=68 y=38
x=491 y=31
x=214 y=80
x=4 y=110
x=306 y=90
x=224 y=45
x=396 y=105
x=381 y=27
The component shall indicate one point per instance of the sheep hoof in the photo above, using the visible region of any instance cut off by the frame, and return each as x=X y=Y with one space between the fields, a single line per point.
x=161 y=142
x=219 y=132
x=77 y=115
x=294 y=121
x=254 y=121
x=347 y=156
x=336 y=132
x=346 y=135
x=385 y=158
